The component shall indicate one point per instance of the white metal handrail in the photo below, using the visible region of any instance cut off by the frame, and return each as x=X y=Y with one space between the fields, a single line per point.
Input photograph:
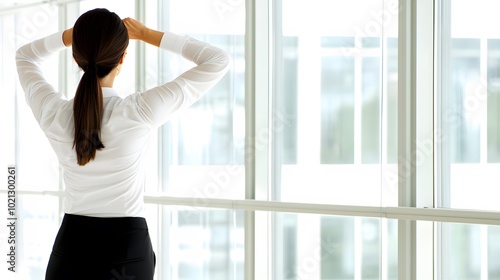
x=400 y=213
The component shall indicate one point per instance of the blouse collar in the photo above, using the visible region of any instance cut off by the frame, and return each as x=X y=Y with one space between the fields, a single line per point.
x=108 y=92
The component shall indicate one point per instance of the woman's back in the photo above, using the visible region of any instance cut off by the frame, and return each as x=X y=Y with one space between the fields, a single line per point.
x=111 y=185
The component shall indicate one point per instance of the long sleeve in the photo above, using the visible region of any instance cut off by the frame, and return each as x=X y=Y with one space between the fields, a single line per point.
x=155 y=105
x=38 y=92
x=159 y=103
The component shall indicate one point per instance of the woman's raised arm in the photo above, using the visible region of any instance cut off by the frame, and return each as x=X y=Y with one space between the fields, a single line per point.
x=138 y=31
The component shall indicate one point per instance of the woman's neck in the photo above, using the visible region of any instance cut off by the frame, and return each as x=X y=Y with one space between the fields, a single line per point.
x=109 y=80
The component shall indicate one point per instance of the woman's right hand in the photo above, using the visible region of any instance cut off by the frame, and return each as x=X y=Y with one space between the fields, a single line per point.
x=137 y=30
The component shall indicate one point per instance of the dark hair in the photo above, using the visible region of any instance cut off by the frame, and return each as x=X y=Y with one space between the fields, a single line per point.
x=99 y=41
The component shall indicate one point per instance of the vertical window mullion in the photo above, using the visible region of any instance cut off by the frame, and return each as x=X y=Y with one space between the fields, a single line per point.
x=258 y=138
x=249 y=224
x=406 y=138
x=165 y=222
x=276 y=265
x=140 y=10
x=442 y=159
x=416 y=136
x=424 y=153
x=256 y=129
x=64 y=69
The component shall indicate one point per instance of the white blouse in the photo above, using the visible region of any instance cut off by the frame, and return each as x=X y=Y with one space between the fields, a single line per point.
x=112 y=184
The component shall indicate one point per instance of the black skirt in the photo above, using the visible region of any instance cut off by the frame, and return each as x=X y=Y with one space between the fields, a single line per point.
x=102 y=248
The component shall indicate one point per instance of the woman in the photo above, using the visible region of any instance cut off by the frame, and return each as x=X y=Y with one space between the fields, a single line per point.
x=101 y=139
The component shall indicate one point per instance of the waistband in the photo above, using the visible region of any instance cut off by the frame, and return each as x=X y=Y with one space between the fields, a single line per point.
x=116 y=223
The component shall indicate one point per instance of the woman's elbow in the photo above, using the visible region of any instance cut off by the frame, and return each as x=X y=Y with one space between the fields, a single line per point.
x=225 y=61
x=21 y=54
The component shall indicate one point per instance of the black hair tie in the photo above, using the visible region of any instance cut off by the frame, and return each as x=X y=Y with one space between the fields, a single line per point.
x=92 y=66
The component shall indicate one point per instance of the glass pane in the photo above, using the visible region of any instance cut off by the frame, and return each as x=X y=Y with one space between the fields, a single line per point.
x=37 y=224
x=335 y=102
x=330 y=247
x=37 y=164
x=468 y=105
x=337 y=110
x=493 y=252
x=8 y=98
x=469 y=251
x=370 y=142
x=197 y=243
x=467 y=148
x=202 y=148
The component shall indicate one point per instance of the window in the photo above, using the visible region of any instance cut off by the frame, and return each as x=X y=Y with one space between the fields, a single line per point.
x=468 y=107
x=292 y=166
x=200 y=151
x=311 y=246
x=197 y=243
x=208 y=138
x=335 y=87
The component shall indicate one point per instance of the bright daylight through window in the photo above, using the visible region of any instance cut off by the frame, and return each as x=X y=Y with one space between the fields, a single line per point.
x=292 y=166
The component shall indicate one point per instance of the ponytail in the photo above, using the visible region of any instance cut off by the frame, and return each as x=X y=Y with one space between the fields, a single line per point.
x=100 y=40
x=88 y=111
